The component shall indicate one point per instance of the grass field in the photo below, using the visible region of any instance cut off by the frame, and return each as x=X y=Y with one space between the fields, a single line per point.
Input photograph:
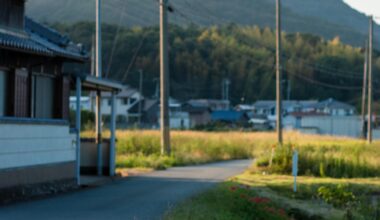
x=319 y=156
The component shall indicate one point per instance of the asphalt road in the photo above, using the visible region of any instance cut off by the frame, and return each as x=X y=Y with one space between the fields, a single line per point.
x=147 y=196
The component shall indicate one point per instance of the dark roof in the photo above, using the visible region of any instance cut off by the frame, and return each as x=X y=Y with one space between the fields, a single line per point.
x=41 y=40
x=149 y=103
x=305 y=114
x=269 y=104
x=207 y=102
x=229 y=116
x=334 y=104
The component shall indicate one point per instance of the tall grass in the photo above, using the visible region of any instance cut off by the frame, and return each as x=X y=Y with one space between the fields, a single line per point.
x=319 y=155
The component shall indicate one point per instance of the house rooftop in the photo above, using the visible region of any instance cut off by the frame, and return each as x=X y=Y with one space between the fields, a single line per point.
x=335 y=104
x=286 y=103
x=41 y=40
x=207 y=102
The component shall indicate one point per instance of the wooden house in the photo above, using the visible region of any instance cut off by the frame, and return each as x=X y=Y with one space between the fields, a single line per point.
x=36 y=146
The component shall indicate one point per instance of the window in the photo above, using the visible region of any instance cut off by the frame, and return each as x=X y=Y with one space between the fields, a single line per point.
x=125 y=101
x=3 y=90
x=43 y=97
x=12 y=13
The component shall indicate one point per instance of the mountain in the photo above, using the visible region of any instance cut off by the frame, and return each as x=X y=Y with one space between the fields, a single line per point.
x=326 y=18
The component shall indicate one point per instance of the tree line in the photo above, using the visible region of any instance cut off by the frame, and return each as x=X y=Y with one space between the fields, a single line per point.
x=202 y=57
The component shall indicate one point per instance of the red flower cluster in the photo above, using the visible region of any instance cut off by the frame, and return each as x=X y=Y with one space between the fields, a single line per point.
x=233 y=188
x=259 y=200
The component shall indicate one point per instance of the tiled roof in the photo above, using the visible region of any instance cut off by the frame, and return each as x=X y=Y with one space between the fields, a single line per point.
x=41 y=40
x=334 y=104
x=20 y=42
x=285 y=104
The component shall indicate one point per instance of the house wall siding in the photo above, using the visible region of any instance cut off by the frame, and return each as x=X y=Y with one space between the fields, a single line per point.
x=30 y=145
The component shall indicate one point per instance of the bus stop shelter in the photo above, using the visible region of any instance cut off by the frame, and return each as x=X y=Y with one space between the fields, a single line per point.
x=85 y=82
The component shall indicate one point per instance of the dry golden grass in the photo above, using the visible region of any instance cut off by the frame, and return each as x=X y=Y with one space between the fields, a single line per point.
x=142 y=148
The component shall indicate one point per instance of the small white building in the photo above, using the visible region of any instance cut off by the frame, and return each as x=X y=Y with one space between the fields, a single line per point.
x=85 y=103
x=179 y=119
x=323 y=124
x=128 y=99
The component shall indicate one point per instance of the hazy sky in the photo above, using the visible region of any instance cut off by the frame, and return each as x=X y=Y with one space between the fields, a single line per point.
x=369 y=7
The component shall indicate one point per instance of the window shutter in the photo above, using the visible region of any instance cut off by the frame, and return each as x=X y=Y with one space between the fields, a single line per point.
x=19 y=94
x=62 y=102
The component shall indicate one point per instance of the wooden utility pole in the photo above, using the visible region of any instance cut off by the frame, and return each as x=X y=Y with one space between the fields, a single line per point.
x=164 y=74
x=98 y=93
x=365 y=90
x=141 y=92
x=278 y=73
x=370 y=95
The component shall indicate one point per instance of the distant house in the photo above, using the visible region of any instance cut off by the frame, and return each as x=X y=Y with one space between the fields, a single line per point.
x=128 y=99
x=35 y=143
x=230 y=117
x=199 y=114
x=268 y=108
x=324 y=124
x=212 y=104
x=334 y=108
x=179 y=119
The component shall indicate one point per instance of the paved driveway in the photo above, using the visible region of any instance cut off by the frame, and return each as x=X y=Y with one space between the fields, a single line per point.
x=144 y=197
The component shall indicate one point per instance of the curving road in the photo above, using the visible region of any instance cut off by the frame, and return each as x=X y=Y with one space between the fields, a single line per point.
x=147 y=196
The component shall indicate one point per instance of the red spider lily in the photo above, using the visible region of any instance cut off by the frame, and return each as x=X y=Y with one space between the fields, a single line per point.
x=259 y=200
x=282 y=212
x=243 y=196
x=233 y=188
x=270 y=209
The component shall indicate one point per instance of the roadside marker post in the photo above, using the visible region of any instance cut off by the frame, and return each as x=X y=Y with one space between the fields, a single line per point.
x=295 y=169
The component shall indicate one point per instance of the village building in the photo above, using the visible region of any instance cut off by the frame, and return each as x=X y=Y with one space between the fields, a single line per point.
x=36 y=146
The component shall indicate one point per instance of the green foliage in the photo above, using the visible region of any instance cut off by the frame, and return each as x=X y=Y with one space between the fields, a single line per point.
x=339 y=196
x=323 y=161
x=202 y=57
x=87 y=120
x=282 y=159
x=228 y=201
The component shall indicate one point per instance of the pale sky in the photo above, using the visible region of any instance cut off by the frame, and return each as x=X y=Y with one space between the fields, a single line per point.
x=369 y=7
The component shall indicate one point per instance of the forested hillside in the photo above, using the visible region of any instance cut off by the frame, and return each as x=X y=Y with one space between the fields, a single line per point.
x=326 y=18
x=200 y=58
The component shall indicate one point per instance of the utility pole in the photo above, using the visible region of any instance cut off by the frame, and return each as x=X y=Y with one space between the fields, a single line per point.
x=164 y=79
x=278 y=73
x=364 y=92
x=98 y=93
x=141 y=94
x=370 y=95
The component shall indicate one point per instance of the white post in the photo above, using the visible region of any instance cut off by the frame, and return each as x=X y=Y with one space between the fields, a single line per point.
x=113 y=135
x=78 y=126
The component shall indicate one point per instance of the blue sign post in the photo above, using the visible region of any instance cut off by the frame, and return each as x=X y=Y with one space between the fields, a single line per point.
x=295 y=169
